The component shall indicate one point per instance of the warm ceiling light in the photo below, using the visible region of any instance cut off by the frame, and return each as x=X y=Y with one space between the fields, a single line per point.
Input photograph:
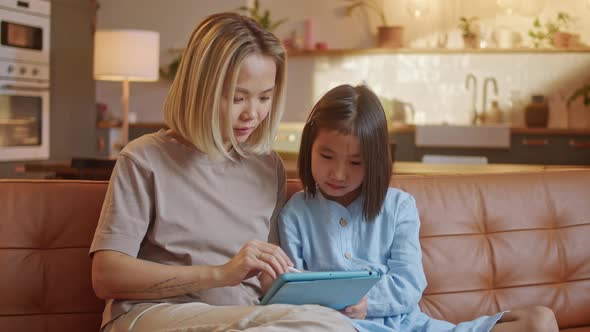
x=417 y=8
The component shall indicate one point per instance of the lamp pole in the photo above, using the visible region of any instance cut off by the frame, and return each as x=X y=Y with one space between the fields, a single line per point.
x=125 y=114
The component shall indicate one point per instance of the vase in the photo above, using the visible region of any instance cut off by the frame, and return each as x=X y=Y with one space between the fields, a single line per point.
x=561 y=39
x=536 y=113
x=470 y=42
x=390 y=36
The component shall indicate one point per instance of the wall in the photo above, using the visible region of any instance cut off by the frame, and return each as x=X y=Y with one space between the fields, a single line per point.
x=436 y=84
x=73 y=115
x=175 y=22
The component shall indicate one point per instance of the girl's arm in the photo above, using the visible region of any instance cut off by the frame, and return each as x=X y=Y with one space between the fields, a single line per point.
x=118 y=276
x=400 y=290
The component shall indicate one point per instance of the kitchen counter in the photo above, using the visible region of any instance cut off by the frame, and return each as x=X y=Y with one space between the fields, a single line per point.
x=65 y=170
x=418 y=168
x=404 y=129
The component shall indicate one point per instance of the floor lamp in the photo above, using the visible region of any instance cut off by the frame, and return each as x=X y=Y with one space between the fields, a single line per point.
x=127 y=56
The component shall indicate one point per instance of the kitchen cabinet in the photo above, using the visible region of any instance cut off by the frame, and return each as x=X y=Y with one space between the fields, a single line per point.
x=72 y=92
x=537 y=147
x=551 y=149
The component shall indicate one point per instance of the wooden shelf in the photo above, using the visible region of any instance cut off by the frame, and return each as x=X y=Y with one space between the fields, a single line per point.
x=442 y=51
x=394 y=130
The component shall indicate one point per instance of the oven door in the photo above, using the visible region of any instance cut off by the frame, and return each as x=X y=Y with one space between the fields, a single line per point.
x=24 y=121
x=24 y=37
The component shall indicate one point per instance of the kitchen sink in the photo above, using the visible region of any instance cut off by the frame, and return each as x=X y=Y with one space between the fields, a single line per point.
x=459 y=136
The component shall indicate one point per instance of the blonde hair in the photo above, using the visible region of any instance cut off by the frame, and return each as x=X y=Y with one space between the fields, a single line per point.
x=207 y=77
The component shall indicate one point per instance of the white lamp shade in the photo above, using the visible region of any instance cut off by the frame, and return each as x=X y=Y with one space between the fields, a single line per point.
x=132 y=55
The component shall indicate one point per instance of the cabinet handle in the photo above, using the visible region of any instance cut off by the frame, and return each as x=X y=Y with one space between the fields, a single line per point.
x=579 y=144
x=534 y=141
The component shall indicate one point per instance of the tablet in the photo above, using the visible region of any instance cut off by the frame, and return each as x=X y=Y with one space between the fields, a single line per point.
x=334 y=289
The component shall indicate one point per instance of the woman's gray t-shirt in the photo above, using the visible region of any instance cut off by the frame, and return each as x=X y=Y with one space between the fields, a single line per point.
x=169 y=203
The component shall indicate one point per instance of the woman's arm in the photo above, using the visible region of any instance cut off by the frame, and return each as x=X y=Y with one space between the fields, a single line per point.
x=119 y=276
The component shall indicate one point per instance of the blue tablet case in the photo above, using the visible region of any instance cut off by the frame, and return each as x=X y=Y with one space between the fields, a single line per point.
x=336 y=289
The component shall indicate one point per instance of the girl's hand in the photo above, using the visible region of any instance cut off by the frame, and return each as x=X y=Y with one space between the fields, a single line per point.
x=255 y=257
x=357 y=311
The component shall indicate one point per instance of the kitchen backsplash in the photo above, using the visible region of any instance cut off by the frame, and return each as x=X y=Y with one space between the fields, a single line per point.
x=435 y=84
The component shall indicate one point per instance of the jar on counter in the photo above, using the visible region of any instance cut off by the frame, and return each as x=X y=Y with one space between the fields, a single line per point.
x=536 y=113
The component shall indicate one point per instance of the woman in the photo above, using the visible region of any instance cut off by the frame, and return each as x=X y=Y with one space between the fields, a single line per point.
x=181 y=243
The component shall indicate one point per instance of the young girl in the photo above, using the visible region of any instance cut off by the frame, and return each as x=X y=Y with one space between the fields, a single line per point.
x=347 y=218
x=183 y=232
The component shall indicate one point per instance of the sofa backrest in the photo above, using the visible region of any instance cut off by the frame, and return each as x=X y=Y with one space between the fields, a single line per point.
x=498 y=241
x=490 y=242
x=46 y=228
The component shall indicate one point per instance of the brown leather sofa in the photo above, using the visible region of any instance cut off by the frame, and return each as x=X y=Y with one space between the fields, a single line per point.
x=490 y=242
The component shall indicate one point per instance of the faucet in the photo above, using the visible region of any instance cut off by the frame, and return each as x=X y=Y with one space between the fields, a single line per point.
x=485 y=94
x=469 y=79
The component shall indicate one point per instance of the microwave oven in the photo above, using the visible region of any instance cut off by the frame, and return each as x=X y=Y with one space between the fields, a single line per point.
x=24 y=32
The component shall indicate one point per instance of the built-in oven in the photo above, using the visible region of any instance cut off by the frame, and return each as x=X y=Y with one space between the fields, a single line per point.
x=24 y=121
x=24 y=79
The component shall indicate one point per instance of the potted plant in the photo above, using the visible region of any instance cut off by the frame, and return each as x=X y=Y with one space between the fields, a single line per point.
x=262 y=16
x=581 y=92
x=258 y=14
x=553 y=32
x=387 y=35
x=468 y=31
x=170 y=71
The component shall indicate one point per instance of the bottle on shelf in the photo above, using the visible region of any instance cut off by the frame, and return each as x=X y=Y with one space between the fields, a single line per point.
x=495 y=115
x=515 y=109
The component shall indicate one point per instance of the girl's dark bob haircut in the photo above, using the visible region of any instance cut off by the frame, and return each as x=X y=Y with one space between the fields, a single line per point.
x=352 y=111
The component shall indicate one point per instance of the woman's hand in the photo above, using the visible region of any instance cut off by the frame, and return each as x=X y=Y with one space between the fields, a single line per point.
x=255 y=257
x=265 y=282
x=357 y=311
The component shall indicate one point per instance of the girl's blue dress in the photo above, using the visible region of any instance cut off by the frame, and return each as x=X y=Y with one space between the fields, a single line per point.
x=322 y=235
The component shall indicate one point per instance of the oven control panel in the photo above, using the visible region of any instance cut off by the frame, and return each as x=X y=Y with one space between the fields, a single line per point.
x=24 y=71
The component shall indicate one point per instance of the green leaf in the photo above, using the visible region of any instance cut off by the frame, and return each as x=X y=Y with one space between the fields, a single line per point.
x=584 y=92
x=276 y=24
